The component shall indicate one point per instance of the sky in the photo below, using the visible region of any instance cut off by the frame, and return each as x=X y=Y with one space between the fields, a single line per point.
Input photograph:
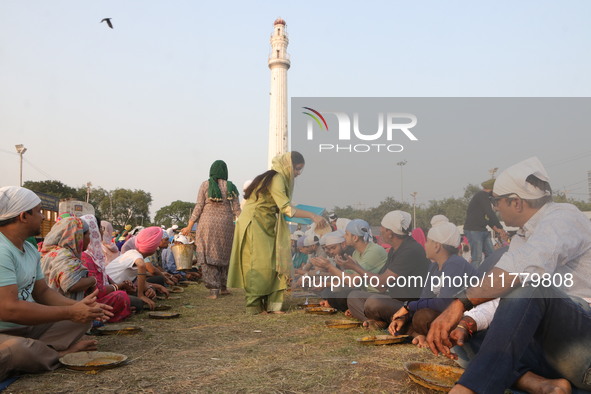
x=176 y=85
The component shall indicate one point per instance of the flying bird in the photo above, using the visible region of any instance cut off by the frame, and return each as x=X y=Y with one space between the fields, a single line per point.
x=108 y=20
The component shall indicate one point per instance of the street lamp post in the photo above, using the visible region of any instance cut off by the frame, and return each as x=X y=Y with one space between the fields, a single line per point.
x=492 y=172
x=414 y=209
x=401 y=164
x=20 y=149
x=88 y=185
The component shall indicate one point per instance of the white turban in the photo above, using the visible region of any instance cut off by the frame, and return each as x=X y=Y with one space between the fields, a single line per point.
x=310 y=240
x=246 y=184
x=14 y=200
x=439 y=219
x=512 y=180
x=445 y=233
x=341 y=224
x=336 y=237
x=297 y=234
x=397 y=221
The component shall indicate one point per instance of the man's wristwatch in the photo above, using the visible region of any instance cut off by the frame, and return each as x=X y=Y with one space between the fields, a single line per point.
x=463 y=298
x=405 y=306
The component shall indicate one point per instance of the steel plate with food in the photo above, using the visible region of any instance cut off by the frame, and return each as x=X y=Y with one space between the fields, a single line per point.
x=163 y=315
x=434 y=376
x=382 y=339
x=343 y=324
x=92 y=361
x=118 y=329
x=320 y=310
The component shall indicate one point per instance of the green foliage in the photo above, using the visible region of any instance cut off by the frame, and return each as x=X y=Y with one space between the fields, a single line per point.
x=97 y=195
x=470 y=191
x=582 y=205
x=453 y=208
x=53 y=188
x=128 y=207
x=178 y=212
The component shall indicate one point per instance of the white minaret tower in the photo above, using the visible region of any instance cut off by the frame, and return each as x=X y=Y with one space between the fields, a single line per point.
x=279 y=64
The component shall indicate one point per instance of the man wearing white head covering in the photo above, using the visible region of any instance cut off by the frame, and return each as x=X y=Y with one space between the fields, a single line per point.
x=553 y=240
x=443 y=240
x=406 y=259
x=478 y=216
x=366 y=253
x=29 y=308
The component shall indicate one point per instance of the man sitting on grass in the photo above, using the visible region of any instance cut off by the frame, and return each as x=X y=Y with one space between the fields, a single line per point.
x=37 y=324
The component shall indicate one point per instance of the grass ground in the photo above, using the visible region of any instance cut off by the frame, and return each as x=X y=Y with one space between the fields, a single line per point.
x=213 y=347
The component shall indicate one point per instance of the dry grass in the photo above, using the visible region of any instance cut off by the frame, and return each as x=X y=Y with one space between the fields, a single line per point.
x=212 y=347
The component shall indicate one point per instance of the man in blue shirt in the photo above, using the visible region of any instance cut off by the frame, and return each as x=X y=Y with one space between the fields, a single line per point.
x=37 y=324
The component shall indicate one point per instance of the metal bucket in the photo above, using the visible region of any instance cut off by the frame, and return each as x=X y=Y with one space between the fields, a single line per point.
x=183 y=256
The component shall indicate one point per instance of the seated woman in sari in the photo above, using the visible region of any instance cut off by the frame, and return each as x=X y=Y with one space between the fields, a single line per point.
x=110 y=293
x=60 y=258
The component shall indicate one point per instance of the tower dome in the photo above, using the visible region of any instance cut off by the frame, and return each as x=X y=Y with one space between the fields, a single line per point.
x=279 y=21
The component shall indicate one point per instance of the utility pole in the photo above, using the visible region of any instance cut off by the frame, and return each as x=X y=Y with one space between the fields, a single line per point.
x=20 y=149
x=492 y=172
x=414 y=209
x=401 y=164
x=88 y=185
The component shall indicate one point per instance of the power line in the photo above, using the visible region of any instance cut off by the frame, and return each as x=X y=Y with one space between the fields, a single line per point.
x=48 y=176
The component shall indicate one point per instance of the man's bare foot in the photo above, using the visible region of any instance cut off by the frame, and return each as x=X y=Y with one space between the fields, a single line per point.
x=81 y=346
x=212 y=297
x=324 y=303
x=533 y=383
x=374 y=325
x=213 y=294
x=225 y=292
x=348 y=313
x=276 y=312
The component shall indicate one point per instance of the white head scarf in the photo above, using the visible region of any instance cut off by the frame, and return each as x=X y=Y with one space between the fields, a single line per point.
x=341 y=224
x=336 y=237
x=15 y=200
x=439 y=219
x=397 y=221
x=95 y=247
x=512 y=180
x=445 y=233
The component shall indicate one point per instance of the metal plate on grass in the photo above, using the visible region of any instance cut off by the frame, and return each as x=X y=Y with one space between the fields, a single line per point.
x=434 y=376
x=92 y=361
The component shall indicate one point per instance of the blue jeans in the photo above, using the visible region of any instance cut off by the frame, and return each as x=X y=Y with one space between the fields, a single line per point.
x=479 y=242
x=537 y=329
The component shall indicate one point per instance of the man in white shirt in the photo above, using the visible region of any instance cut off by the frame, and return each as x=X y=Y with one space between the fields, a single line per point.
x=541 y=281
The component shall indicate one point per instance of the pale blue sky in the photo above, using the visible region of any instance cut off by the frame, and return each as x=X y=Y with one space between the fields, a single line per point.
x=178 y=84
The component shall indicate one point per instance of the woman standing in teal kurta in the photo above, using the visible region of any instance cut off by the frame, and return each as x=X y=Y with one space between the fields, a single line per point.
x=261 y=252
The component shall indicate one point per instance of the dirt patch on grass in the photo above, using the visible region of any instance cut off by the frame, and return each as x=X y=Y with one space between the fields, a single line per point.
x=215 y=347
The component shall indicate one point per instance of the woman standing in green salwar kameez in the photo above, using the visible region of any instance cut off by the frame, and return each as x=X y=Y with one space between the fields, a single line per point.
x=261 y=252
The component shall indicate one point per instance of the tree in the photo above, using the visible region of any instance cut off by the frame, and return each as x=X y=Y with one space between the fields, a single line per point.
x=470 y=191
x=129 y=207
x=97 y=195
x=178 y=212
x=53 y=188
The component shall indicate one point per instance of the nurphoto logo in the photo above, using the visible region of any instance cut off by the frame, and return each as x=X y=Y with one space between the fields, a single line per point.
x=391 y=126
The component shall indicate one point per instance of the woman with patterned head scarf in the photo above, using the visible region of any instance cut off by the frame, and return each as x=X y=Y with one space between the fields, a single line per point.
x=216 y=208
x=261 y=253
x=60 y=258
x=110 y=293
x=110 y=249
